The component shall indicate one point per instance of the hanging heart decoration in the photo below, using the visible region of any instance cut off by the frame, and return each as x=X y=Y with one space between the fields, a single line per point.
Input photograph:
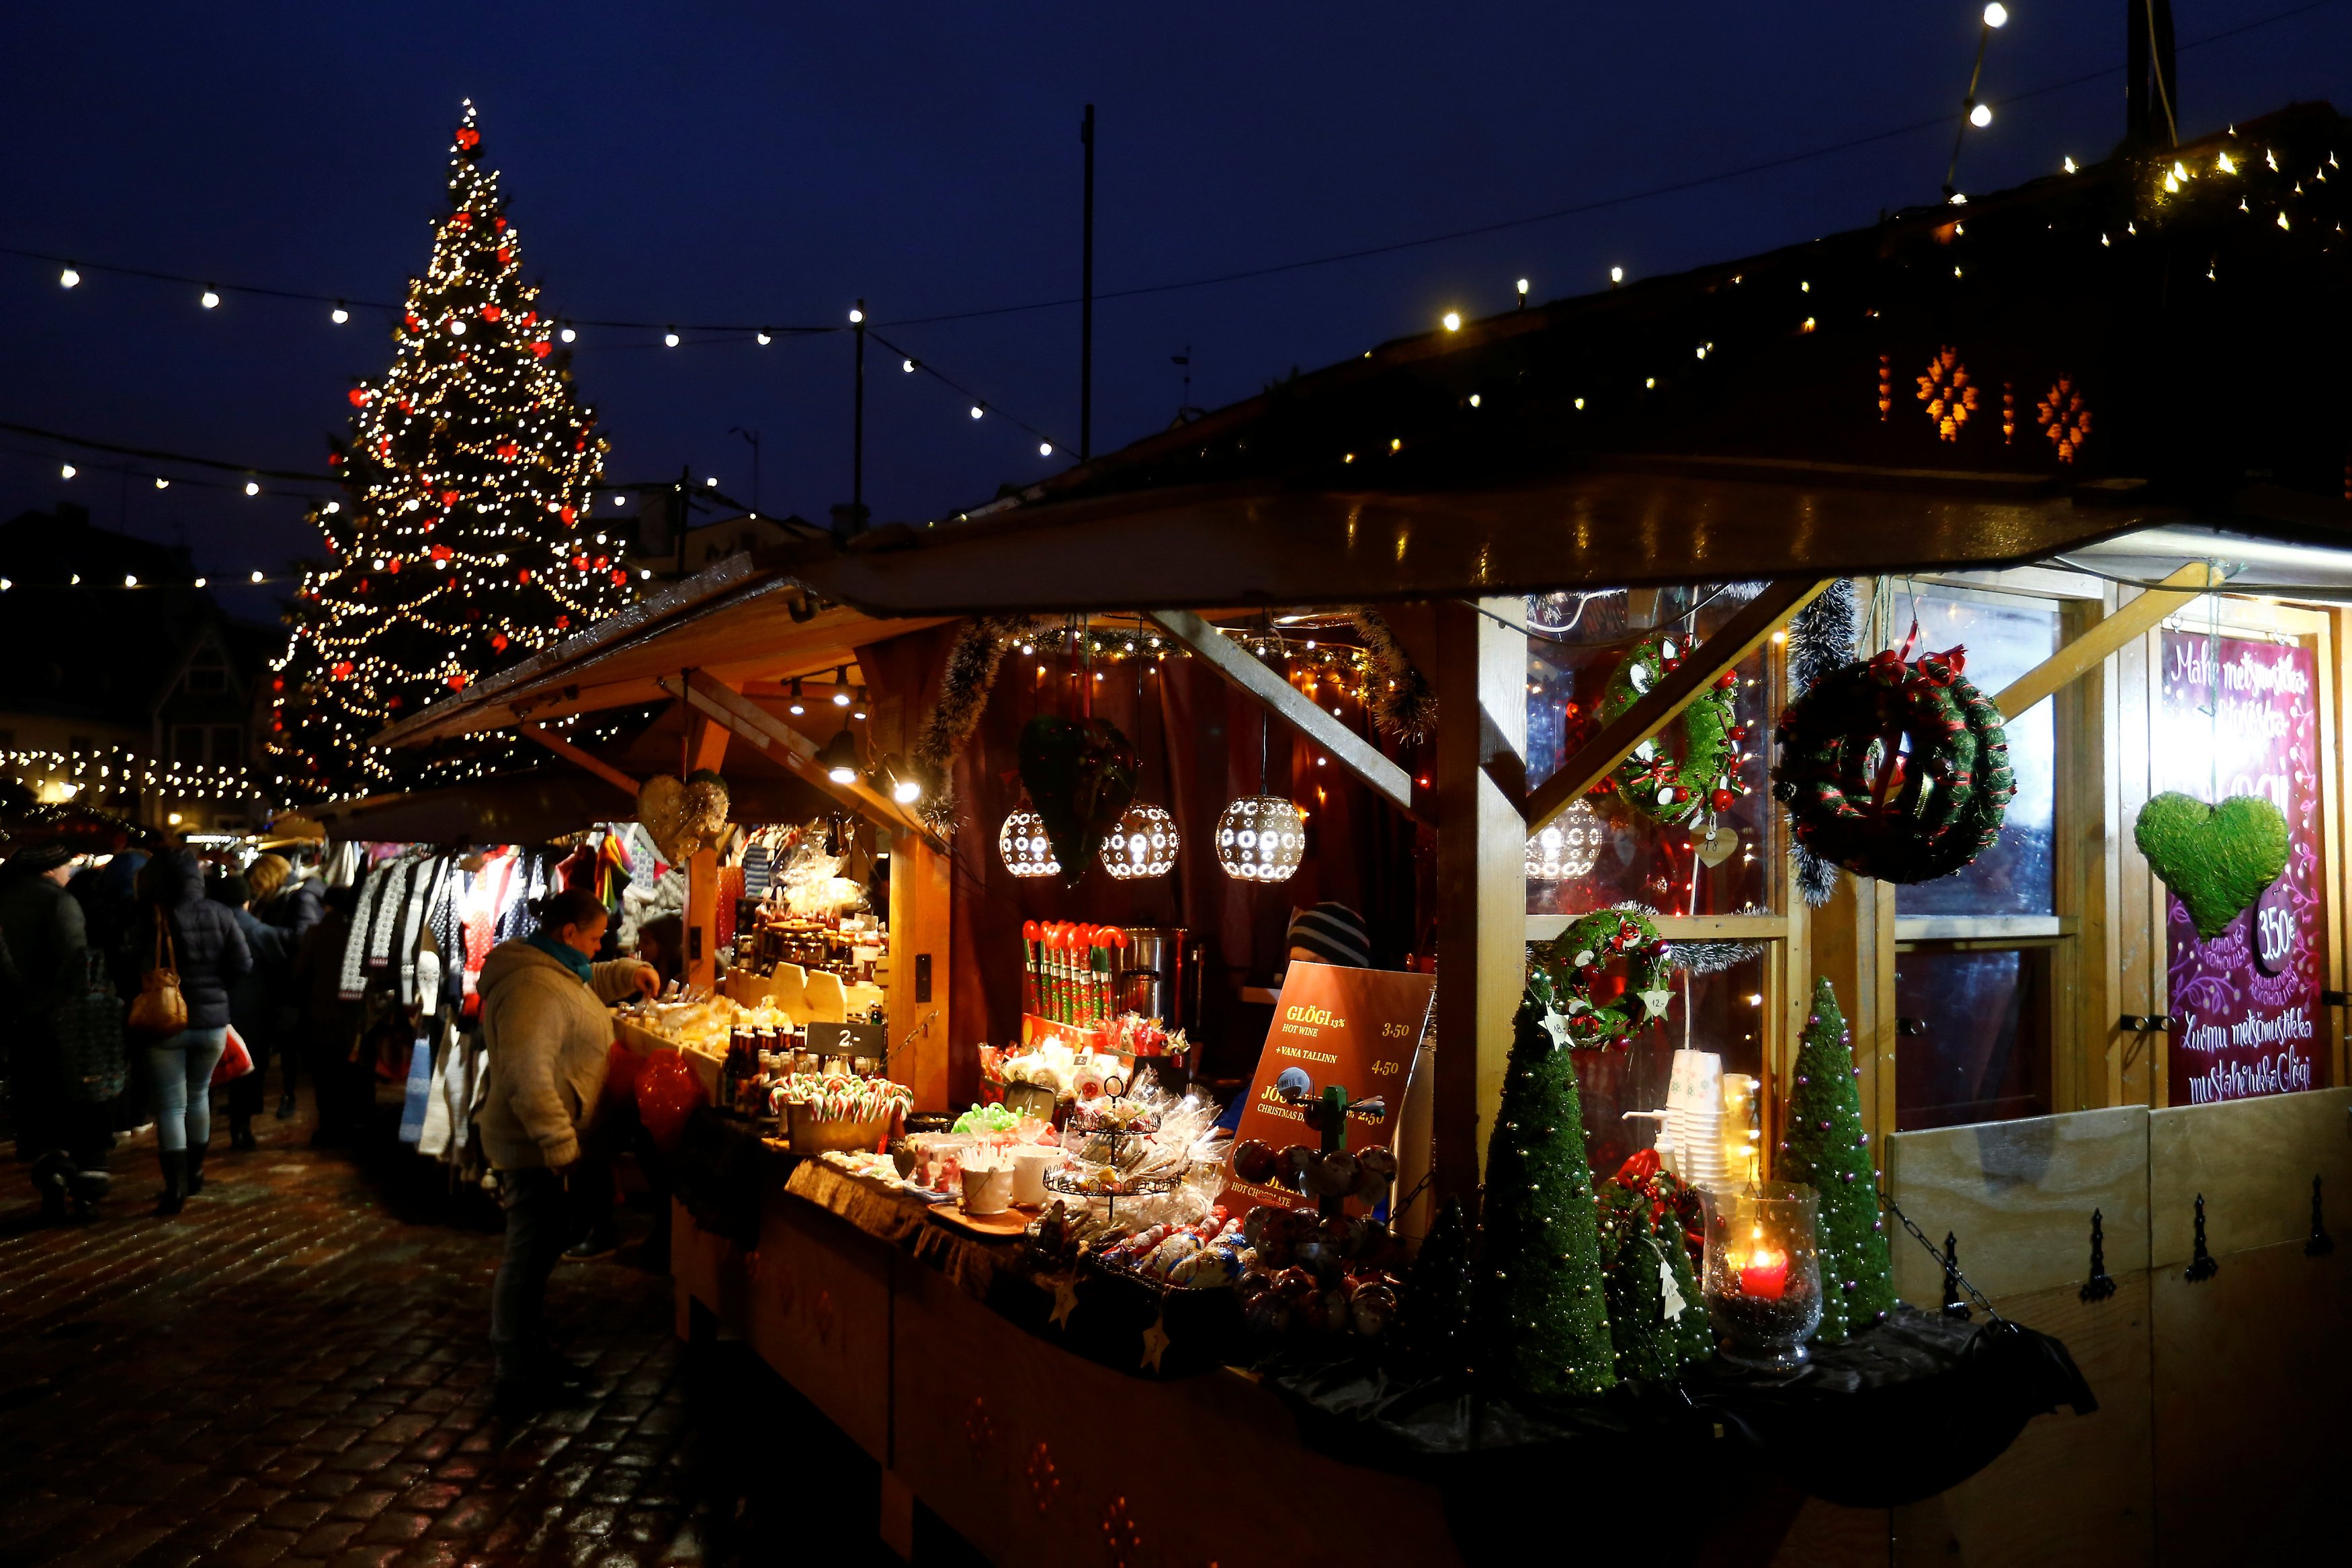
x=2217 y=860
x=1080 y=775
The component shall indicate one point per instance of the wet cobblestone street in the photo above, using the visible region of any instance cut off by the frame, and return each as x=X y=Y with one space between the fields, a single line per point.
x=294 y=1373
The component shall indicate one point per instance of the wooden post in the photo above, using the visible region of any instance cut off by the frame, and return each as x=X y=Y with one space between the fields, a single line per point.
x=1482 y=893
x=920 y=909
x=705 y=748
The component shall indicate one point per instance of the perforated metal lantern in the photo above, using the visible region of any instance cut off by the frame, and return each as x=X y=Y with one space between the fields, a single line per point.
x=1143 y=844
x=1567 y=847
x=1261 y=838
x=1021 y=842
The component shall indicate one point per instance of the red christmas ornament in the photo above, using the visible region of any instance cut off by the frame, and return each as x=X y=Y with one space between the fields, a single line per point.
x=540 y=349
x=505 y=255
x=562 y=621
x=341 y=670
x=567 y=514
x=468 y=137
x=579 y=563
x=524 y=576
x=529 y=316
x=1723 y=799
x=619 y=577
x=413 y=322
x=507 y=449
x=1730 y=681
x=457 y=684
x=440 y=554
x=461 y=219
x=490 y=312
x=498 y=641
x=359 y=396
x=393 y=566
x=449 y=498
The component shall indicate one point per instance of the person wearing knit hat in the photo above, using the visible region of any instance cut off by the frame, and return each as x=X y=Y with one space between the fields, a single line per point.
x=61 y=1127
x=1330 y=933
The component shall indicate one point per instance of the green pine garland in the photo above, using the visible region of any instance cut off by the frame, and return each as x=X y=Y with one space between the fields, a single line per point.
x=1706 y=777
x=1541 y=1314
x=1577 y=957
x=1826 y=1148
x=1893 y=770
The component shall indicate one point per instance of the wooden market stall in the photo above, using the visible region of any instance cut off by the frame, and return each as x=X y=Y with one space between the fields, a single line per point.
x=2091 y=428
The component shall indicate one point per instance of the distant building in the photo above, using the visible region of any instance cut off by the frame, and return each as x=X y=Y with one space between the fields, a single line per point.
x=656 y=547
x=122 y=684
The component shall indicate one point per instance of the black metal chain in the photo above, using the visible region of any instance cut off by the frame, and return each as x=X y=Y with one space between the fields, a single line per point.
x=1950 y=1268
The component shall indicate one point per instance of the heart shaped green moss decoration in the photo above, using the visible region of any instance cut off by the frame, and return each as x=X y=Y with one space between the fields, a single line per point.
x=2216 y=858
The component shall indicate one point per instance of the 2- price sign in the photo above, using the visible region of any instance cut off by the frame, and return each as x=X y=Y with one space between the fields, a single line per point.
x=1356 y=1028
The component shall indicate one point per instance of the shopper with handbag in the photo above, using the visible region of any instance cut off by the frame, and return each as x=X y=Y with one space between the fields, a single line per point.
x=549 y=1040
x=182 y=1013
x=62 y=1081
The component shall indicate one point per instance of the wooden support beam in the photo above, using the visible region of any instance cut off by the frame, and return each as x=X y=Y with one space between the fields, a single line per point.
x=579 y=759
x=1701 y=667
x=2089 y=651
x=795 y=751
x=1244 y=670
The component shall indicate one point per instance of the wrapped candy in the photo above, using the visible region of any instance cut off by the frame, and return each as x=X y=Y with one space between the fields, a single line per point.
x=1171 y=1252
x=1371 y=1307
x=1254 y=1162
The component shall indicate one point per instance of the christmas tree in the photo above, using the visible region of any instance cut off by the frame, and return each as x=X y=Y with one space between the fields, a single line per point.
x=1539 y=1317
x=1657 y=1319
x=1433 y=1324
x=1824 y=1147
x=462 y=541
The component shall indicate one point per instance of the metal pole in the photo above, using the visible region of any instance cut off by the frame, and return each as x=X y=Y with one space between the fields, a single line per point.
x=857 y=424
x=1086 y=300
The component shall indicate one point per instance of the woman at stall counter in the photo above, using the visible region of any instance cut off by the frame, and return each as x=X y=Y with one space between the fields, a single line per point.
x=548 y=1036
x=1330 y=933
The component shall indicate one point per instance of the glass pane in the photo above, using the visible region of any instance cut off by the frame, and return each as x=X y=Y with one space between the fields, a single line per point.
x=1617 y=853
x=2004 y=638
x=1975 y=1036
x=1722 y=1012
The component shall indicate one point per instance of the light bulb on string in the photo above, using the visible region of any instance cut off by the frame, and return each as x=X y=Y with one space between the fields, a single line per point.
x=209 y=299
x=977 y=411
x=338 y=315
x=66 y=471
x=760 y=339
x=70 y=278
x=908 y=366
x=251 y=488
x=1980 y=116
x=669 y=340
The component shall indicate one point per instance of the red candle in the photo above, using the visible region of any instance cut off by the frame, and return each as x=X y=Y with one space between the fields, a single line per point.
x=1765 y=1274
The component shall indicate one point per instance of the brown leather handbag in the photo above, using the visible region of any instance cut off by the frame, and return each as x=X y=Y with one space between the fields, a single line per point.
x=160 y=1012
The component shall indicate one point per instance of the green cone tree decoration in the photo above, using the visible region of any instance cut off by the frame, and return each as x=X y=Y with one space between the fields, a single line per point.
x=1432 y=1323
x=1657 y=1320
x=1539 y=1314
x=1823 y=1147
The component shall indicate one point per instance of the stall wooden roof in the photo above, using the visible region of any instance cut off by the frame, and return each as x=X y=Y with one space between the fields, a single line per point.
x=2143 y=342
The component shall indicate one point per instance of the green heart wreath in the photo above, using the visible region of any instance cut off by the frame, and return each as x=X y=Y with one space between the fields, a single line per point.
x=1706 y=776
x=1894 y=771
x=2217 y=860
x=1576 y=958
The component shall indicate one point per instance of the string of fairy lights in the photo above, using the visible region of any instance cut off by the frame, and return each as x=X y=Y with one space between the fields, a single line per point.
x=64 y=776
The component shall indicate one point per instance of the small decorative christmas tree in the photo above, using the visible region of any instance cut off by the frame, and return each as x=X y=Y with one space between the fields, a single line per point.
x=1823 y=1147
x=462 y=542
x=1657 y=1319
x=1540 y=1317
x=1432 y=1326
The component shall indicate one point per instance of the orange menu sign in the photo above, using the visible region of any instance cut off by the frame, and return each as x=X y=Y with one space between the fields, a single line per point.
x=1359 y=1029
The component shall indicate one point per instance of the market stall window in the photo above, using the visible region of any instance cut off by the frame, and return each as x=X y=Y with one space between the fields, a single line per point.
x=1722 y=1011
x=2005 y=636
x=1644 y=837
x=1973 y=1028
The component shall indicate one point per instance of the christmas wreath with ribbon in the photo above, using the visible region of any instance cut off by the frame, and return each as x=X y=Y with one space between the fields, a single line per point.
x=1706 y=778
x=1579 y=954
x=1894 y=770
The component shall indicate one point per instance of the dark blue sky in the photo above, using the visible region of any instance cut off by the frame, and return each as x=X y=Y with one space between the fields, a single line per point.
x=697 y=161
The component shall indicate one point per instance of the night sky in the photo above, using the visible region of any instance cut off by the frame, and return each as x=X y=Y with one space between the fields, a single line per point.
x=741 y=163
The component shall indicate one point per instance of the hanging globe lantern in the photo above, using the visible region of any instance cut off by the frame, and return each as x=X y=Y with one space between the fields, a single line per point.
x=1567 y=847
x=1021 y=842
x=1261 y=838
x=1143 y=844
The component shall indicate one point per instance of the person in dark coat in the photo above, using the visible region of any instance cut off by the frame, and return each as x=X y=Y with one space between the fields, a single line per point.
x=284 y=901
x=255 y=1006
x=211 y=955
x=329 y=1030
x=60 y=1128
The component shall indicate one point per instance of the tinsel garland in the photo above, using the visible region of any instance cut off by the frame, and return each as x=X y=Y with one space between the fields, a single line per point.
x=1404 y=702
x=1820 y=639
x=1716 y=955
x=969 y=677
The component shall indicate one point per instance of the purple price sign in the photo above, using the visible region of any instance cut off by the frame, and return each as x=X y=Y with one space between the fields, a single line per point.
x=2247 y=1018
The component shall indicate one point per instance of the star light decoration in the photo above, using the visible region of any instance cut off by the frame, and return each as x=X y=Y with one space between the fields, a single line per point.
x=462 y=543
x=1026 y=849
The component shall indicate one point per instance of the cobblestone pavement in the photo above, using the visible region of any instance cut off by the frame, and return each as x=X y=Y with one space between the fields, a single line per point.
x=293 y=1372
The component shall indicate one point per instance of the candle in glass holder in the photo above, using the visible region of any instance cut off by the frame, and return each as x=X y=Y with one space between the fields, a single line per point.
x=1762 y=1276
x=1763 y=1273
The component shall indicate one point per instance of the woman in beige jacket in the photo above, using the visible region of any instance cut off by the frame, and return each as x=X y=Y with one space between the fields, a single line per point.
x=548 y=1037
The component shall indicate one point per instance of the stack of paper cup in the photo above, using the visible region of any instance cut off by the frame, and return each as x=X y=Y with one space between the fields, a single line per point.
x=1694 y=1117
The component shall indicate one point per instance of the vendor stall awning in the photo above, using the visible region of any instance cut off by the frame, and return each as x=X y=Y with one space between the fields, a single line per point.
x=1654 y=520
